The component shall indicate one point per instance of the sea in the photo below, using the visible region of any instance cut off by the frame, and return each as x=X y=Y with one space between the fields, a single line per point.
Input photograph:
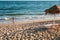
x=25 y=10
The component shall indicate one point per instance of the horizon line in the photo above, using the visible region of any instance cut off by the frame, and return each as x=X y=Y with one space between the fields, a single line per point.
x=29 y=0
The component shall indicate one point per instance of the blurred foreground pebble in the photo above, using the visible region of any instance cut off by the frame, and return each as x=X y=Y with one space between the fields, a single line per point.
x=29 y=32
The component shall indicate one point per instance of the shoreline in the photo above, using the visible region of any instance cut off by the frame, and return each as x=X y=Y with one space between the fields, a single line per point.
x=37 y=21
x=32 y=22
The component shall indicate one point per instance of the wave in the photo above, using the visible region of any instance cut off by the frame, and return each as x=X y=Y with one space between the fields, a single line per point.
x=11 y=8
x=18 y=14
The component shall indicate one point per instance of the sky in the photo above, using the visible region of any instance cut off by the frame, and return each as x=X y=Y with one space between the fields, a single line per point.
x=29 y=0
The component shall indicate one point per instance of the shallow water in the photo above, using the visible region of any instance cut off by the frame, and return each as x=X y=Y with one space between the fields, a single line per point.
x=21 y=18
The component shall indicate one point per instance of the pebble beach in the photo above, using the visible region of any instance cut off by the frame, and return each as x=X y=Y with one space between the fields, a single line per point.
x=29 y=31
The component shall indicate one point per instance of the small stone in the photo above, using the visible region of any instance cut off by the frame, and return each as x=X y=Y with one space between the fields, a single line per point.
x=52 y=37
x=7 y=33
x=26 y=39
x=42 y=39
x=32 y=37
x=58 y=33
x=48 y=35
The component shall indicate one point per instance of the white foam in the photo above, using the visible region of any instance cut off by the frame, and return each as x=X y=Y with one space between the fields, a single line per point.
x=32 y=17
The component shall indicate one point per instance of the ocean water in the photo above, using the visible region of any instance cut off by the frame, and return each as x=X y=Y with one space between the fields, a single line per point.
x=25 y=10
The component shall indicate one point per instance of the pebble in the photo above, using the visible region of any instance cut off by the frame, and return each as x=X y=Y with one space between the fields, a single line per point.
x=28 y=34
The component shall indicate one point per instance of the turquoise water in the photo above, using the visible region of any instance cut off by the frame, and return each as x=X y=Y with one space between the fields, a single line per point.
x=25 y=7
x=25 y=10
